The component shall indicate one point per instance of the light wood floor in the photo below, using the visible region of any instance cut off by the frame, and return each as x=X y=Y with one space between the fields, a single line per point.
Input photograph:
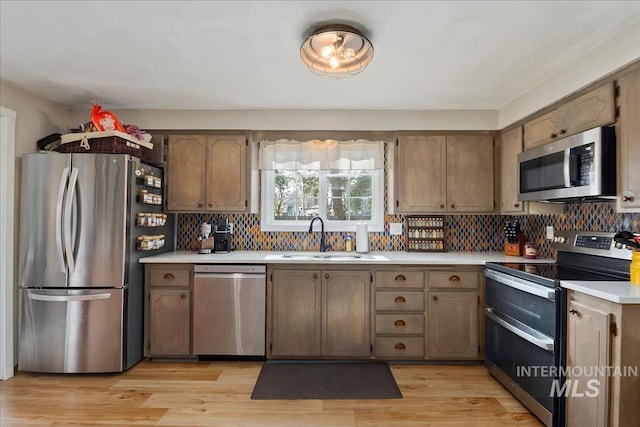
x=219 y=394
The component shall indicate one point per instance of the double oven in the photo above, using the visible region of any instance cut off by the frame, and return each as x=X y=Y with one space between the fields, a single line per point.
x=525 y=332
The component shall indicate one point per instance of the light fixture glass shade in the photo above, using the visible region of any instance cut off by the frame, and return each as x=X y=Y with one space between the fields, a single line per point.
x=336 y=51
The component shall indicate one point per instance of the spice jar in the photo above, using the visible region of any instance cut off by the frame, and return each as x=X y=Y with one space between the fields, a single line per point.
x=530 y=250
x=635 y=268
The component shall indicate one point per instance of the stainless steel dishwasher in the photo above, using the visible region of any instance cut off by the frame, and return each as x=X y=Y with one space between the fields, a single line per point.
x=229 y=311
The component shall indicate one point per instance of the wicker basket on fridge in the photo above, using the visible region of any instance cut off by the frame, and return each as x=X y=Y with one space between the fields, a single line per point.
x=107 y=142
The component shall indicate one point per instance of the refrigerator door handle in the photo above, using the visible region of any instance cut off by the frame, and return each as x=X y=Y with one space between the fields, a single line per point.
x=63 y=183
x=66 y=298
x=68 y=242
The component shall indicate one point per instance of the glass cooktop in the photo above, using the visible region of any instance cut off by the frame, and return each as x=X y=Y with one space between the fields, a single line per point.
x=557 y=272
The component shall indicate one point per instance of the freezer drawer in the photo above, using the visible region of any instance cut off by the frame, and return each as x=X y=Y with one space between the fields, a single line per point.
x=229 y=311
x=71 y=331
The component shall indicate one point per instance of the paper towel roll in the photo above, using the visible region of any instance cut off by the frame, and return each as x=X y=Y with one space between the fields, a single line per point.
x=362 y=238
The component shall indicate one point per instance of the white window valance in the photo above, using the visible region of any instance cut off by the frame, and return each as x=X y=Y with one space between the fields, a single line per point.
x=286 y=154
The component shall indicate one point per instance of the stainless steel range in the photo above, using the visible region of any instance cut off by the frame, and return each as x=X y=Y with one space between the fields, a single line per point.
x=526 y=315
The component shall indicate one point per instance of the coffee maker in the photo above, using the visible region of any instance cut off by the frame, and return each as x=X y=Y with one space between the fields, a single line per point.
x=222 y=237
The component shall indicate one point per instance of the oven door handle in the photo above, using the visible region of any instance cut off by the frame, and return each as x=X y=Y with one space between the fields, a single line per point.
x=545 y=344
x=522 y=285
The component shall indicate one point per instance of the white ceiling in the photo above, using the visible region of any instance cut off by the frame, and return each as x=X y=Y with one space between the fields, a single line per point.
x=244 y=55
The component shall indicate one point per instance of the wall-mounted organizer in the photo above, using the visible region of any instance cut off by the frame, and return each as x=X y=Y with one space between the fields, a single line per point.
x=425 y=233
x=152 y=225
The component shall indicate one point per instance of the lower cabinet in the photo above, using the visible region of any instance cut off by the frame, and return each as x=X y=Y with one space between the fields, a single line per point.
x=602 y=345
x=320 y=313
x=453 y=325
x=168 y=310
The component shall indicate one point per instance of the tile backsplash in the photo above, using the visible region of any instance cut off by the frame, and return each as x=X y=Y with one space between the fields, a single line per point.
x=462 y=232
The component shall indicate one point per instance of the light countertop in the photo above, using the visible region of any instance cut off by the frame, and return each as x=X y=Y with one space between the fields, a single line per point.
x=378 y=258
x=619 y=292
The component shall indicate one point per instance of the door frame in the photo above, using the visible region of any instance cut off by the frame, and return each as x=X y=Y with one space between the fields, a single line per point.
x=7 y=227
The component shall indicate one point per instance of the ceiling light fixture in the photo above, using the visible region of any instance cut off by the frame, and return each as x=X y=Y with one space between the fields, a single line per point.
x=336 y=51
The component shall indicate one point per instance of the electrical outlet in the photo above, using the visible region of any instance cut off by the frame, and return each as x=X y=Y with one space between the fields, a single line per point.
x=230 y=228
x=395 y=228
x=549 y=232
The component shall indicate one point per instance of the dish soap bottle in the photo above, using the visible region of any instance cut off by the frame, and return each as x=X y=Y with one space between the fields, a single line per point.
x=635 y=268
x=348 y=243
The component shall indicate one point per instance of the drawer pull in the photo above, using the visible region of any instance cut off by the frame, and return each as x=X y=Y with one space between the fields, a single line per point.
x=562 y=131
x=573 y=311
x=315 y=275
x=182 y=296
x=400 y=278
x=454 y=278
x=400 y=300
x=400 y=346
x=435 y=298
x=400 y=323
x=168 y=276
x=553 y=135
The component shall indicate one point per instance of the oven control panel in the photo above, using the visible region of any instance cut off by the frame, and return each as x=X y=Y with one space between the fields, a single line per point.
x=588 y=242
x=594 y=242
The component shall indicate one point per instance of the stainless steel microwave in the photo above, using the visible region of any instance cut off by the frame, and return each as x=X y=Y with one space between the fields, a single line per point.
x=579 y=167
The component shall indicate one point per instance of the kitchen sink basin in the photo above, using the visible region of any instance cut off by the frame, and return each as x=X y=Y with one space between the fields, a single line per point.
x=322 y=256
x=317 y=256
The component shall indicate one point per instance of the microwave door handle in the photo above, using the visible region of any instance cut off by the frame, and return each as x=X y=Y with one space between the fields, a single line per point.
x=68 y=214
x=567 y=167
x=59 y=203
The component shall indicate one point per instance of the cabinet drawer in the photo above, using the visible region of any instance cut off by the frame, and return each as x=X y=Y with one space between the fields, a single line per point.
x=399 y=324
x=453 y=279
x=400 y=300
x=169 y=277
x=399 y=347
x=400 y=279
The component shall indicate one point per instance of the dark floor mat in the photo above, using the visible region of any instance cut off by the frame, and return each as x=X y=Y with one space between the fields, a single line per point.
x=325 y=380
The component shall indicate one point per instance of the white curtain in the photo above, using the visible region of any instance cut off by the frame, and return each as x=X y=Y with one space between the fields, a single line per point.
x=286 y=154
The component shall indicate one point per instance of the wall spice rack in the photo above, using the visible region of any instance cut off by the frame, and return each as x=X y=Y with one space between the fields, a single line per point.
x=425 y=233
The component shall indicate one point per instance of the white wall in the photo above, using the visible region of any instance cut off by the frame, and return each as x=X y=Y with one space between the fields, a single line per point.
x=609 y=56
x=36 y=118
x=302 y=119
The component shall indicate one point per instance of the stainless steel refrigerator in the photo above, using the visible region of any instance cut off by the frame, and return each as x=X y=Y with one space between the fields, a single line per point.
x=81 y=286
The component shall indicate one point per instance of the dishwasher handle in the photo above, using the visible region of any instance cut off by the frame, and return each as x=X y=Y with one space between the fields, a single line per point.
x=235 y=276
x=229 y=268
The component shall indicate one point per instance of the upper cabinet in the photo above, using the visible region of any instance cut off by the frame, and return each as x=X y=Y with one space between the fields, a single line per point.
x=206 y=173
x=590 y=110
x=510 y=147
x=628 y=137
x=444 y=173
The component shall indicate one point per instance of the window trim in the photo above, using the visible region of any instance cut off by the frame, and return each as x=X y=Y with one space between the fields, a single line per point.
x=267 y=223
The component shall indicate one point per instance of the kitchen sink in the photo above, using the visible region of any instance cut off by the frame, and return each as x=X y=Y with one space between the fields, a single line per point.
x=322 y=256
x=314 y=256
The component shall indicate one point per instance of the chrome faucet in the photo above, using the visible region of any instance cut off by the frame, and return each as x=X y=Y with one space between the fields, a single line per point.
x=323 y=245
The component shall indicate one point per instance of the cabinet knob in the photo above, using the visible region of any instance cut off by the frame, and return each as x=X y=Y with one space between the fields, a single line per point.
x=400 y=346
x=454 y=278
x=400 y=300
x=573 y=311
x=400 y=278
x=553 y=135
x=435 y=298
x=326 y=276
x=562 y=131
x=516 y=205
x=399 y=323
x=199 y=205
x=168 y=276
x=441 y=206
x=315 y=275
x=627 y=199
x=182 y=296
x=453 y=206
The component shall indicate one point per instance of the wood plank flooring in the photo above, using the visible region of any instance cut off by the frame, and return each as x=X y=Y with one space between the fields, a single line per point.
x=219 y=394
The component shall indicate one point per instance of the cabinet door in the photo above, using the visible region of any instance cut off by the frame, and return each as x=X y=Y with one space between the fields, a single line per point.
x=591 y=110
x=345 y=313
x=296 y=318
x=226 y=173
x=185 y=172
x=470 y=173
x=587 y=349
x=628 y=135
x=540 y=130
x=169 y=322
x=421 y=163
x=453 y=325
x=510 y=147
